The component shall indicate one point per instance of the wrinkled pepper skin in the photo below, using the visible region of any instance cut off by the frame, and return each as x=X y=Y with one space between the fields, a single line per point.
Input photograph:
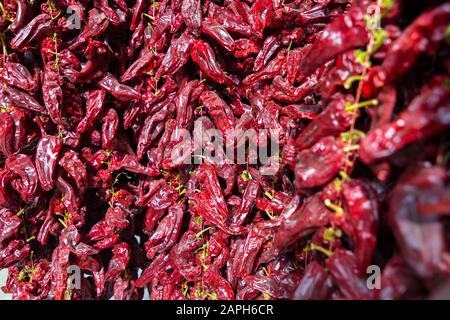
x=47 y=153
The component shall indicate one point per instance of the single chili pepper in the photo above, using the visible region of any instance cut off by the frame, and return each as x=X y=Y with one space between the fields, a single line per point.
x=164 y=198
x=98 y=56
x=251 y=248
x=219 y=111
x=26 y=182
x=202 y=201
x=332 y=121
x=75 y=168
x=163 y=23
x=138 y=9
x=203 y=55
x=20 y=99
x=59 y=263
x=119 y=261
x=285 y=92
x=167 y=232
x=47 y=152
x=232 y=22
x=219 y=33
x=301 y=111
x=136 y=41
x=139 y=66
x=430 y=107
x=270 y=47
x=94 y=106
x=184 y=256
x=53 y=95
x=176 y=56
x=248 y=199
x=345 y=73
x=109 y=129
x=114 y=16
x=183 y=102
x=17 y=75
x=319 y=164
x=19 y=19
x=428 y=30
x=33 y=31
x=122 y=92
x=270 y=71
x=218 y=285
x=262 y=11
x=145 y=137
x=70 y=197
x=192 y=14
x=130 y=163
x=296 y=224
x=343 y=33
x=95 y=26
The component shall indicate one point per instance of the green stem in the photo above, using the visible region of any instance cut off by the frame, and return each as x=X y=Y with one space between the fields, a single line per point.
x=349 y=82
x=4 y=47
x=246 y=175
x=268 y=195
x=353 y=107
x=290 y=46
x=326 y=252
x=351 y=148
x=4 y=13
x=199 y=234
x=332 y=206
x=270 y=215
x=149 y=16
x=344 y=176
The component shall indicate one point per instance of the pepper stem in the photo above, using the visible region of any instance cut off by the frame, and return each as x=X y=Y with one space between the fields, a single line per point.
x=349 y=82
x=4 y=47
x=353 y=107
x=321 y=249
x=198 y=235
x=332 y=206
x=4 y=13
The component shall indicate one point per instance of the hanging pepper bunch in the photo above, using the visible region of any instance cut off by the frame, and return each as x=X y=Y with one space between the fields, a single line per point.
x=97 y=97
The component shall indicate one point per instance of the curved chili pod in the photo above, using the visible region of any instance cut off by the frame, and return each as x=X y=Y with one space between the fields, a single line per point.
x=47 y=153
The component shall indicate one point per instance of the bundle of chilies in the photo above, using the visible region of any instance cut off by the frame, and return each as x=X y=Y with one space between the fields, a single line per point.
x=354 y=93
